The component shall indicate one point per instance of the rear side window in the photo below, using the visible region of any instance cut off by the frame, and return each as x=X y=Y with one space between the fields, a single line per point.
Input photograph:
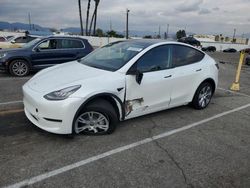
x=184 y=55
x=67 y=43
x=156 y=59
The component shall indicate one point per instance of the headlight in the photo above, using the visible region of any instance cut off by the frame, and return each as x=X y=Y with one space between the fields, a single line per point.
x=62 y=94
x=2 y=55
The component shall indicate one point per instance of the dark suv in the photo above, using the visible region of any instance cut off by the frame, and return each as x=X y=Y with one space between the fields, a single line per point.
x=43 y=52
x=190 y=40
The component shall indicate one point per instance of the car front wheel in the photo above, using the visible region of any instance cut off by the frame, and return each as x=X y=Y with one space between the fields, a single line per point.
x=203 y=96
x=19 y=68
x=97 y=118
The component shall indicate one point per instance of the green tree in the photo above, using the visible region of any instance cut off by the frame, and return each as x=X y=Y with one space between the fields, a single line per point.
x=180 y=34
x=99 y=32
x=217 y=38
x=113 y=33
x=53 y=30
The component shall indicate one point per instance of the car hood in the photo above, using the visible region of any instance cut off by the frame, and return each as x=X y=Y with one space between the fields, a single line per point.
x=12 y=50
x=62 y=76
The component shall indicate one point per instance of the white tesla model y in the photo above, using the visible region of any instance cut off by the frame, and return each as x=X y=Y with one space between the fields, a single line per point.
x=117 y=82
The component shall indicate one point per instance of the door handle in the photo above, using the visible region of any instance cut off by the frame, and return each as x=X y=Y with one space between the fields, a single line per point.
x=169 y=76
x=198 y=70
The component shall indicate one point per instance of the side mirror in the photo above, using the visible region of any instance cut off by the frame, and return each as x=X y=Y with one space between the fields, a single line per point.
x=138 y=75
x=37 y=49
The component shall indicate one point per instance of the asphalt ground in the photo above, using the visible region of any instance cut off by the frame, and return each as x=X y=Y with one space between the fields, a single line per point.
x=179 y=147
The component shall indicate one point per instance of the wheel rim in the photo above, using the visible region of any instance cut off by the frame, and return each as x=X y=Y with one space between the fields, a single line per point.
x=205 y=96
x=91 y=122
x=19 y=68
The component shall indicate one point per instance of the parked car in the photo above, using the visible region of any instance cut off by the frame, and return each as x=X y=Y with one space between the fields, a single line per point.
x=248 y=60
x=117 y=82
x=16 y=42
x=246 y=50
x=230 y=50
x=209 y=49
x=190 y=40
x=3 y=39
x=43 y=52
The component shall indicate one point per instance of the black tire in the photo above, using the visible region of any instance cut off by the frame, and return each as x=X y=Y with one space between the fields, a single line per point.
x=23 y=66
x=197 y=100
x=102 y=107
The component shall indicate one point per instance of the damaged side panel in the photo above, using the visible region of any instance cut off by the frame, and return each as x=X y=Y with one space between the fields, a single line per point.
x=133 y=104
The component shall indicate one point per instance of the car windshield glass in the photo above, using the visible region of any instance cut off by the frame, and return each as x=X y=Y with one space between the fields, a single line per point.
x=31 y=43
x=113 y=56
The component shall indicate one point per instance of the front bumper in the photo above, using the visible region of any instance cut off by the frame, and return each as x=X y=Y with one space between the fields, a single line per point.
x=3 y=65
x=52 y=116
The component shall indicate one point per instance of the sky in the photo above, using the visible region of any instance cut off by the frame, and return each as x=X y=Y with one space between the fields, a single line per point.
x=196 y=16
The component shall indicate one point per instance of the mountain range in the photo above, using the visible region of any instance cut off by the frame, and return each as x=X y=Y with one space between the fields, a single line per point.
x=76 y=30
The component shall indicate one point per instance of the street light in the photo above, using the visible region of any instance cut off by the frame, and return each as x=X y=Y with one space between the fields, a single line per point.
x=127 y=11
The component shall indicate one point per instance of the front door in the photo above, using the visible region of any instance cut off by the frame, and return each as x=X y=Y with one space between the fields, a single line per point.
x=46 y=54
x=153 y=93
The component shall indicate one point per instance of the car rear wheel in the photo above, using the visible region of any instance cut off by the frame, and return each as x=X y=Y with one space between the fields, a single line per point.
x=97 y=118
x=203 y=96
x=19 y=68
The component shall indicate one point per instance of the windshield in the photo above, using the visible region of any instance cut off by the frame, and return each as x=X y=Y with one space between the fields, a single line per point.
x=31 y=43
x=113 y=56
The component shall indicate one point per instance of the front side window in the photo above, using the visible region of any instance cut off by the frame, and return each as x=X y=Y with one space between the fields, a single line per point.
x=158 y=58
x=48 y=44
x=184 y=55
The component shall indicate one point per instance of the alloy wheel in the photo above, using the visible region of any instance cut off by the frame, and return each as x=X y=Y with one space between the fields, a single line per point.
x=205 y=96
x=91 y=122
x=20 y=68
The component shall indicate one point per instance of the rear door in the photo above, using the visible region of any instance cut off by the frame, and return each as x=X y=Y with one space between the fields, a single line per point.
x=188 y=69
x=71 y=49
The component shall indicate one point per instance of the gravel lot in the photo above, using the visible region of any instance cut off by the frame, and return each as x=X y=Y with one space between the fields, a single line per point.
x=180 y=147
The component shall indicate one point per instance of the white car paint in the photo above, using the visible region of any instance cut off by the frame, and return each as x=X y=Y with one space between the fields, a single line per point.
x=158 y=90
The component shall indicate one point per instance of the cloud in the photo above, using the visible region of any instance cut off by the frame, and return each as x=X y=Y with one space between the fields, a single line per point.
x=189 y=6
x=143 y=16
x=204 y=11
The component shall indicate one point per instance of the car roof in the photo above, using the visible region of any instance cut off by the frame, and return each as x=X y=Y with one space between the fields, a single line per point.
x=63 y=37
x=147 y=42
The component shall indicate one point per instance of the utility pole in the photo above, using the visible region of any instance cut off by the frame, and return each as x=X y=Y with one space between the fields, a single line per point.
x=29 y=21
x=159 y=34
x=127 y=11
x=167 y=31
x=110 y=25
x=234 y=35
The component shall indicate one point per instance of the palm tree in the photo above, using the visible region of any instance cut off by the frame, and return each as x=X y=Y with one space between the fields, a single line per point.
x=80 y=14
x=96 y=4
x=87 y=18
x=94 y=17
